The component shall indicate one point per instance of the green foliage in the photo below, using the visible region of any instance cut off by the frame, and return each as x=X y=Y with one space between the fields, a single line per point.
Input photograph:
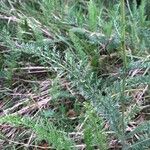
x=143 y=131
x=44 y=130
x=93 y=130
x=78 y=46
x=92 y=15
x=77 y=42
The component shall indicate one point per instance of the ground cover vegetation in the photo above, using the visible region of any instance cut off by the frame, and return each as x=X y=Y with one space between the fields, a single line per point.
x=74 y=74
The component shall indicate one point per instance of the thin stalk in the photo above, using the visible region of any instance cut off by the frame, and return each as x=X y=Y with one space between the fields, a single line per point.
x=123 y=45
x=123 y=84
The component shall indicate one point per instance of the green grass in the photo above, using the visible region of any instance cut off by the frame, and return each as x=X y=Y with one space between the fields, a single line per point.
x=74 y=75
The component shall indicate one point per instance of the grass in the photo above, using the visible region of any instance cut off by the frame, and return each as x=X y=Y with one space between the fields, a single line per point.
x=74 y=75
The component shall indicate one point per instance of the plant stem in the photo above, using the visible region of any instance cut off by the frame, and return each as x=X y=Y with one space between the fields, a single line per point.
x=123 y=47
